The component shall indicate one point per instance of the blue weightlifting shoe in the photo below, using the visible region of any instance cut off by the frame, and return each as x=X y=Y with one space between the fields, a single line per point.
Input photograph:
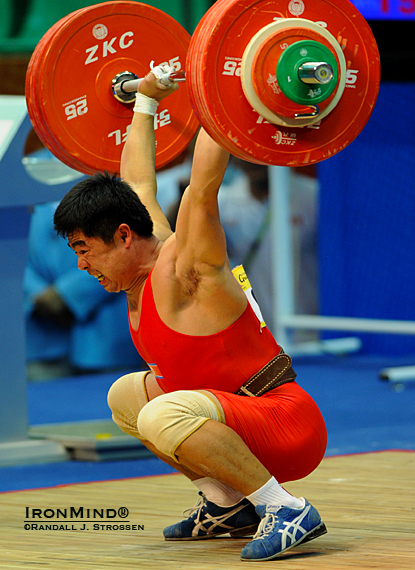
x=280 y=529
x=208 y=520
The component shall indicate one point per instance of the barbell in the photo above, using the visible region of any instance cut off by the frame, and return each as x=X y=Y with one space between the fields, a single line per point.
x=278 y=82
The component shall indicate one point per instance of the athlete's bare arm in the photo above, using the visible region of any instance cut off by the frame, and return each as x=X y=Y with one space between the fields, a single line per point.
x=199 y=233
x=139 y=157
x=202 y=264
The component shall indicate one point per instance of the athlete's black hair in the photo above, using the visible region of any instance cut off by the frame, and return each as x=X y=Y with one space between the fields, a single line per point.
x=98 y=205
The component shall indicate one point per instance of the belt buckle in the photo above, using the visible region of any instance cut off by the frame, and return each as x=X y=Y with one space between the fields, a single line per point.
x=247 y=392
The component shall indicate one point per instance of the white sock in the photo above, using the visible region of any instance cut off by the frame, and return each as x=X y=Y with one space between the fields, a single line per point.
x=273 y=494
x=218 y=492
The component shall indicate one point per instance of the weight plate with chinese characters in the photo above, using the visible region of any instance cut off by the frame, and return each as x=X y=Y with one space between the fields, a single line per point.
x=69 y=91
x=214 y=79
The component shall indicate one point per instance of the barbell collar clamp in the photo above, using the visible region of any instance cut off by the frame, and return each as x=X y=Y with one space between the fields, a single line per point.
x=315 y=113
x=122 y=86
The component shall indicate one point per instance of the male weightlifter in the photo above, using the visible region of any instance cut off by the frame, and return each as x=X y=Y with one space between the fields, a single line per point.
x=219 y=402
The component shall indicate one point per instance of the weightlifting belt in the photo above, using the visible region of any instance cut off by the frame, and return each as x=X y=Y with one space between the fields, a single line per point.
x=278 y=371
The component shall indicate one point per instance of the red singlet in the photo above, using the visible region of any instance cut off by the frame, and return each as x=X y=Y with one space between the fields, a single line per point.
x=283 y=428
x=221 y=361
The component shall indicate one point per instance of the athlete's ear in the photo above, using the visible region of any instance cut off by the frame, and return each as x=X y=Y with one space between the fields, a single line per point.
x=124 y=233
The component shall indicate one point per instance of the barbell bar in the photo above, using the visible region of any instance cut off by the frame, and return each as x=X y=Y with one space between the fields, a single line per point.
x=125 y=84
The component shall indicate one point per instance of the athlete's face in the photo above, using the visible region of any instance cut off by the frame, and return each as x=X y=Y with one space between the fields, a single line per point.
x=105 y=261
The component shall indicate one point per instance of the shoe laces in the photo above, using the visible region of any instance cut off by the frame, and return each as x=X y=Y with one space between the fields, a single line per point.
x=197 y=507
x=266 y=526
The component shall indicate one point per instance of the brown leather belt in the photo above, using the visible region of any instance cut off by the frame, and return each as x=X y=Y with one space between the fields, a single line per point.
x=278 y=371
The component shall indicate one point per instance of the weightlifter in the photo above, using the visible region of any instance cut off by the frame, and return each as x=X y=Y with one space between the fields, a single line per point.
x=219 y=402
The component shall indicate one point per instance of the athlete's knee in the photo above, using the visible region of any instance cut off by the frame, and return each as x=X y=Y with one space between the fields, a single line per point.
x=126 y=397
x=171 y=418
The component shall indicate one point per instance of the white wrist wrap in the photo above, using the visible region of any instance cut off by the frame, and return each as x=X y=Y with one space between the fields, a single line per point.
x=145 y=105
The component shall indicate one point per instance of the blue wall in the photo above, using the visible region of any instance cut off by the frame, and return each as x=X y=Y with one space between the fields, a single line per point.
x=367 y=222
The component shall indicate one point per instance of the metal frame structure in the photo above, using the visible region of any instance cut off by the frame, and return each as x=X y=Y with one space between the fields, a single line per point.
x=285 y=318
x=18 y=193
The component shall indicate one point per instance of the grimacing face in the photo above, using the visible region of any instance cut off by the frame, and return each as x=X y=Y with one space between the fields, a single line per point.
x=101 y=260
